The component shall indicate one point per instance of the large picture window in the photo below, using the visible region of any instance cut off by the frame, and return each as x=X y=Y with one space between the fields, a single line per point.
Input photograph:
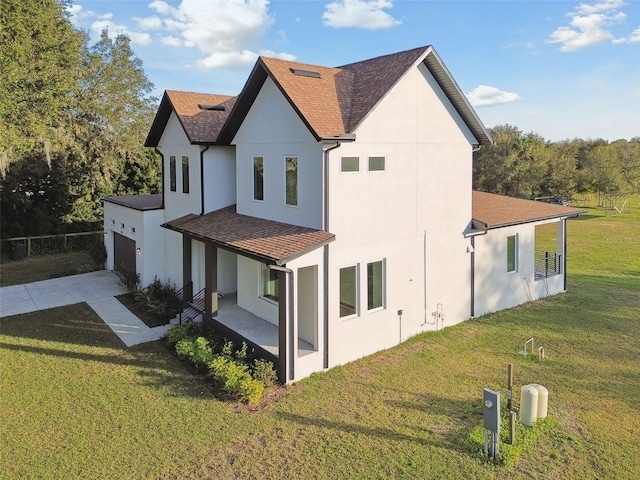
x=185 y=174
x=270 y=284
x=512 y=253
x=375 y=285
x=291 y=179
x=172 y=173
x=348 y=291
x=258 y=178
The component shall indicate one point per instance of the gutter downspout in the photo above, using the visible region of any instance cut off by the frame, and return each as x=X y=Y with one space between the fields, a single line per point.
x=473 y=270
x=161 y=173
x=325 y=274
x=202 y=179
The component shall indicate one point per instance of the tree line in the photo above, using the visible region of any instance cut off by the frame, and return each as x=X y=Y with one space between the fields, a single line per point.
x=73 y=119
x=525 y=165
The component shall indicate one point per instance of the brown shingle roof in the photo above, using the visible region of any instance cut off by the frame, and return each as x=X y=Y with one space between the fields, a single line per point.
x=264 y=240
x=494 y=211
x=335 y=103
x=201 y=126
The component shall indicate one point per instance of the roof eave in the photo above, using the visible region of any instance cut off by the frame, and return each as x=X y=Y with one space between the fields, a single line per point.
x=487 y=226
x=458 y=99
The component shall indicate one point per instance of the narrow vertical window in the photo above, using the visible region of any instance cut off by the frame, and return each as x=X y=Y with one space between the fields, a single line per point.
x=349 y=164
x=258 y=178
x=291 y=179
x=185 y=174
x=512 y=253
x=172 y=173
x=375 y=285
x=270 y=283
x=348 y=291
x=376 y=164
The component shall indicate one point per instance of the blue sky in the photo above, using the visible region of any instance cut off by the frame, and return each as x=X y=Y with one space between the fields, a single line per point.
x=561 y=69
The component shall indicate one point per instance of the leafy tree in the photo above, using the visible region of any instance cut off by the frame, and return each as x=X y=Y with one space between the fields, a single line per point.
x=40 y=55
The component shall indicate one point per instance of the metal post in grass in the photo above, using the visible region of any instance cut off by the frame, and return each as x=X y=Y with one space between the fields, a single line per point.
x=491 y=418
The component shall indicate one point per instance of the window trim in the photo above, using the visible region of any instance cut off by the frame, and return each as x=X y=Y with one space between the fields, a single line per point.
x=356 y=291
x=255 y=179
x=383 y=286
x=286 y=180
x=515 y=253
x=342 y=159
x=185 y=174
x=384 y=163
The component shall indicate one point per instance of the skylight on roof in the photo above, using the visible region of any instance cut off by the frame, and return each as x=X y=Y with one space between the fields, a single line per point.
x=305 y=73
x=215 y=108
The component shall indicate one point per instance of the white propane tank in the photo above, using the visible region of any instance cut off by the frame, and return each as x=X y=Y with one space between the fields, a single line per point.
x=528 y=405
x=543 y=401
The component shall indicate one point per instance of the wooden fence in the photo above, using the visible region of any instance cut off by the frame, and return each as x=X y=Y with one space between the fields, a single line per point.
x=63 y=241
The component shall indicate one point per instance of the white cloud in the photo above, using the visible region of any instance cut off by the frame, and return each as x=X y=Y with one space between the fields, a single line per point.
x=77 y=13
x=227 y=32
x=246 y=57
x=149 y=23
x=483 y=96
x=367 y=14
x=635 y=36
x=590 y=25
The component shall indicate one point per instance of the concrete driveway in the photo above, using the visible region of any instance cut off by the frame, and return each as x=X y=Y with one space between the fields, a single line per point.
x=97 y=289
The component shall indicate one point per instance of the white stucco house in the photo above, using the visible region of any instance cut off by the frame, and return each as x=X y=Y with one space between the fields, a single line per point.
x=325 y=214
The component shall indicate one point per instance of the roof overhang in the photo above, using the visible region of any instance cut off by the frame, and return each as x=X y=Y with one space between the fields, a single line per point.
x=267 y=241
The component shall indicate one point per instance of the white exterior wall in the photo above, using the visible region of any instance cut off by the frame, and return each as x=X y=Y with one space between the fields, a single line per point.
x=249 y=291
x=413 y=215
x=226 y=268
x=147 y=235
x=219 y=178
x=497 y=289
x=273 y=130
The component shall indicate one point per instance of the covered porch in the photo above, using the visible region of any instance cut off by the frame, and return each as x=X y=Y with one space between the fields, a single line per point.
x=273 y=301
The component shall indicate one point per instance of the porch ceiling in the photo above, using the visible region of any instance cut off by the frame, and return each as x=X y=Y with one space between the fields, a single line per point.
x=264 y=240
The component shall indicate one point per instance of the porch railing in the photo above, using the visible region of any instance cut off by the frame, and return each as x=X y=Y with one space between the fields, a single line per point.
x=195 y=305
x=547 y=264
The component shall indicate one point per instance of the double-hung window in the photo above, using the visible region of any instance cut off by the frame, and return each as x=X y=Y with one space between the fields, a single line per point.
x=291 y=180
x=348 y=291
x=258 y=178
x=185 y=174
x=172 y=173
x=512 y=253
x=375 y=285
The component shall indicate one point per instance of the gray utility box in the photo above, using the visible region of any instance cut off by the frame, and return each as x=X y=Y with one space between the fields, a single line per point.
x=491 y=410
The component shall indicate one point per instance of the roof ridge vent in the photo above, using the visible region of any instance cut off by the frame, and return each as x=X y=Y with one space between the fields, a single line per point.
x=305 y=73
x=215 y=108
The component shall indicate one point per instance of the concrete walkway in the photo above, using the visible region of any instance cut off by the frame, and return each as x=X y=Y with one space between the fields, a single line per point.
x=97 y=289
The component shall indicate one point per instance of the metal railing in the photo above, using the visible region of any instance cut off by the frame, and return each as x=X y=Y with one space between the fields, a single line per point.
x=196 y=303
x=547 y=264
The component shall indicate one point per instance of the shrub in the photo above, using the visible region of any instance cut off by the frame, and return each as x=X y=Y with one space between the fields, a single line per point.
x=129 y=278
x=162 y=300
x=251 y=390
x=264 y=372
x=197 y=351
x=98 y=252
x=187 y=330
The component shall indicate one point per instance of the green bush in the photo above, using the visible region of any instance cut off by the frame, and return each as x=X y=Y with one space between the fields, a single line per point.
x=264 y=372
x=187 y=330
x=161 y=300
x=251 y=390
x=129 y=279
x=235 y=378
x=98 y=252
x=196 y=351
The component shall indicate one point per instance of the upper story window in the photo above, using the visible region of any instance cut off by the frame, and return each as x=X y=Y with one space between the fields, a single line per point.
x=376 y=164
x=512 y=253
x=349 y=164
x=172 y=173
x=291 y=180
x=185 y=174
x=258 y=178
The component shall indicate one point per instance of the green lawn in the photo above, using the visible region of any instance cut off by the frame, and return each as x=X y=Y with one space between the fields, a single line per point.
x=74 y=403
x=43 y=267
